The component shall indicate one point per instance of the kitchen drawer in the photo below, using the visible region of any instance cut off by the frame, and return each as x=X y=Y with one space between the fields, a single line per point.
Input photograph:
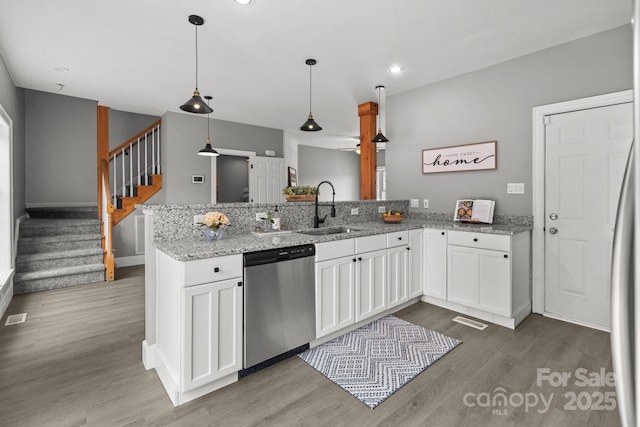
x=397 y=238
x=371 y=243
x=212 y=269
x=334 y=249
x=496 y=242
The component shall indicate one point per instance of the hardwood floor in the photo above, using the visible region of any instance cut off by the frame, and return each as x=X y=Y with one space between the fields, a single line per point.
x=77 y=361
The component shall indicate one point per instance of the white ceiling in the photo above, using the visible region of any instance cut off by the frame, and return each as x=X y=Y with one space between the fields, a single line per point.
x=139 y=55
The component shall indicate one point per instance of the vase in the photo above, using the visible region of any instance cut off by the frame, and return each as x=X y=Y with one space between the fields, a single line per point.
x=211 y=234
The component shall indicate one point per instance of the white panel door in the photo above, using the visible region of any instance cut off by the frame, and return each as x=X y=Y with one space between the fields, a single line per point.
x=371 y=284
x=334 y=295
x=267 y=178
x=586 y=153
x=212 y=332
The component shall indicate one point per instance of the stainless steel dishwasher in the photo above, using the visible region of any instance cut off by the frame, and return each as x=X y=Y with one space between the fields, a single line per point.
x=279 y=304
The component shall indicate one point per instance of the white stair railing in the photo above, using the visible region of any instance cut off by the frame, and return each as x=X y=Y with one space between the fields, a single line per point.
x=140 y=154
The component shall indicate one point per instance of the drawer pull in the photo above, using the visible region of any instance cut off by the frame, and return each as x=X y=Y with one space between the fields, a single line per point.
x=506 y=256
x=216 y=269
x=408 y=248
x=475 y=239
x=354 y=260
x=359 y=258
x=399 y=238
x=239 y=283
x=442 y=232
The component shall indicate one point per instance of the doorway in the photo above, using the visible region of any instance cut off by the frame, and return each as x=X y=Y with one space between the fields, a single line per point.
x=580 y=149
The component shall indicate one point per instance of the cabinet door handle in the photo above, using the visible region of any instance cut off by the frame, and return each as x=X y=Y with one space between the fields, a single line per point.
x=475 y=239
x=359 y=258
x=408 y=248
x=506 y=256
x=239 y=283
x=442 y=232
x=354 y=260
x=216 y=269
x=399 y=238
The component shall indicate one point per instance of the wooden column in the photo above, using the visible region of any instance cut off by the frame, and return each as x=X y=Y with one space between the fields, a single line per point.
x=368 y=113
x=103 y=147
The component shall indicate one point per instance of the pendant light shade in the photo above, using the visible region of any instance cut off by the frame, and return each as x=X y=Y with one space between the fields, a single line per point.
x=196 y=104
x=310 y=125
x=208 y=150
x=379 y=136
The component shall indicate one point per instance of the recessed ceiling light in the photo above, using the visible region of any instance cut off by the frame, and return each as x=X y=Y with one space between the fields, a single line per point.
x=62 y=69
x=244 y=2
x=395 y=69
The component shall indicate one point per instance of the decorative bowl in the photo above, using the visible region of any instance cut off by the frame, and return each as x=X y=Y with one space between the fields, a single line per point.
x=392 y=219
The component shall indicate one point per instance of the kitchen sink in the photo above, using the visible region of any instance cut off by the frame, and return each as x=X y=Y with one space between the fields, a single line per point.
x=328 y=230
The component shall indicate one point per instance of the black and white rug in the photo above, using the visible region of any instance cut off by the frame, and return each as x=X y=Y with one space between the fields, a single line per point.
x=375 y=360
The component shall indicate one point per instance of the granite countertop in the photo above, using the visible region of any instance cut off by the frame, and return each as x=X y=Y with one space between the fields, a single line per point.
x=190 y=249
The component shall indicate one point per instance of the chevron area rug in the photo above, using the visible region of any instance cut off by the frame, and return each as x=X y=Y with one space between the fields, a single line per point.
x=375 y=360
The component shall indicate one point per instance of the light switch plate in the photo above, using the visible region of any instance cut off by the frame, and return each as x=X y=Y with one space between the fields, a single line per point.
x=381 y=209
x=354 y=211
x=415 y=203
x=197 y=219
x=425 y=203
x=260 y=215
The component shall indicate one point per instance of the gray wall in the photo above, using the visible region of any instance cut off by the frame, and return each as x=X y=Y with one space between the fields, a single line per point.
x=233 y=179
x=61 y=149
x=12 y=100
x=496 y=103
x=184 y=134
x=124 y=125
x=342 y=168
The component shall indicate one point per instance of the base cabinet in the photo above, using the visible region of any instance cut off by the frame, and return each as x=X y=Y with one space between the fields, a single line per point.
x=213 y=332
x=434 y=264
x=335 y=282
x=199 y=324
x=370 y=284
x=398 y=275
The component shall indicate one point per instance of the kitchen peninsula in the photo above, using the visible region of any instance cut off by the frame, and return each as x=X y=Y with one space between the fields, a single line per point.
x=364 y=270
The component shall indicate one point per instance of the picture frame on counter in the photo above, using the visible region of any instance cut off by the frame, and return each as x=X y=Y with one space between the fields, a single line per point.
x=293 y=177
x=460 y=158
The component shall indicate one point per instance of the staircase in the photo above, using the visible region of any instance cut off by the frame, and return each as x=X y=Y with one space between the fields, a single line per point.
x=58 y=248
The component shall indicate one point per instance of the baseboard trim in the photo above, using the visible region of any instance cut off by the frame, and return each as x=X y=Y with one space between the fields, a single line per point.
x=6 y=290
x=61 y=205
x=148 y=355
x=576 y=322
x=127 y=261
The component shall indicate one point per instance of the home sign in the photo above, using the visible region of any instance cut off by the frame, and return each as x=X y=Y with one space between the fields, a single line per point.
x=457 y=158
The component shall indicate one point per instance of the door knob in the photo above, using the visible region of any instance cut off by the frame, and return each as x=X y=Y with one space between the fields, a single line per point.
x=553 y=230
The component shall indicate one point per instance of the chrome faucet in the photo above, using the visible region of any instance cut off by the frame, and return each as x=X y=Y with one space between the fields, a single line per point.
x=316 y=219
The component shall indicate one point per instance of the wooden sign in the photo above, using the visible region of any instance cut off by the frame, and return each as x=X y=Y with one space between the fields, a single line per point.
x=460 y=158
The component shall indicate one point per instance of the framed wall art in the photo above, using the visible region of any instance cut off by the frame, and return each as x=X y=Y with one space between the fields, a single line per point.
x=460 y=158
x=293 y=178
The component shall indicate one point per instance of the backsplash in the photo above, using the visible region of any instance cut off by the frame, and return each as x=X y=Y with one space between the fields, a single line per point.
x=172 y=222
x=518 y=220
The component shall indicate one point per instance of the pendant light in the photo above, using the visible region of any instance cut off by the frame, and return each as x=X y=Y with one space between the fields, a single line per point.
x=310 y=125
x=195 y=104
x=208 y=150
x=379 y=137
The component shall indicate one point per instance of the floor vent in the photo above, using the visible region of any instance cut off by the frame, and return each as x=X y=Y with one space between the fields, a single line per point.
x=14 y=319
x=472 y=323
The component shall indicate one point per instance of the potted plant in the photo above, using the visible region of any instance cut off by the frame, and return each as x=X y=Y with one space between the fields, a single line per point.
x=300 y=193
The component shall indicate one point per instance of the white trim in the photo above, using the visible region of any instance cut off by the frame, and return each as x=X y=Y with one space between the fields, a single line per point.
x=61 y=205
x=214 y=168
x=6 y=289
x=7 y=260
x=127 y=261
x=148 y=355
x=539 y=113
x=138 y=224
x=575 y=322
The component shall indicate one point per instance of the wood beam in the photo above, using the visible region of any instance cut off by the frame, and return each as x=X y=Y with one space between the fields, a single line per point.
x=368 y=113
x=103 y=147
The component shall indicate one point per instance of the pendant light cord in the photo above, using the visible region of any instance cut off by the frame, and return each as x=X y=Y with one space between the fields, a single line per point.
x=196 y=56
x=310 y=83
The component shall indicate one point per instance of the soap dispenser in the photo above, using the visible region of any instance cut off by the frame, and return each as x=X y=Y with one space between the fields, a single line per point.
x=276 y=219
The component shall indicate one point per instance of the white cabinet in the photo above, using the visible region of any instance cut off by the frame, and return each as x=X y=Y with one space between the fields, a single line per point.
x=199 y=324
x=398 y=260
x=434 y=263
x=334 y=294
x=415 y=263
x=488 y=276
x=371 y=284
x=213 y=332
